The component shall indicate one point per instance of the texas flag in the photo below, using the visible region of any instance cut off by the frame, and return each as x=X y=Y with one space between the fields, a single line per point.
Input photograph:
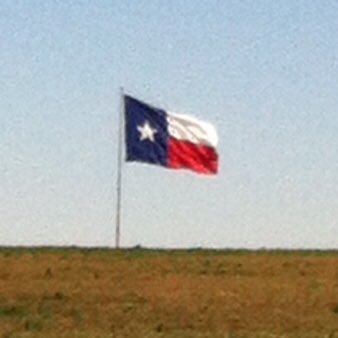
x=168 y=139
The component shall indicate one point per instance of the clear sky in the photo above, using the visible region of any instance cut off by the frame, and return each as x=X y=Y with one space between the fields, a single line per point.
x=265 y=73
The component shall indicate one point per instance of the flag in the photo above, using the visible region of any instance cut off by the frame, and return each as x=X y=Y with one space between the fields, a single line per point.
x=169 y=139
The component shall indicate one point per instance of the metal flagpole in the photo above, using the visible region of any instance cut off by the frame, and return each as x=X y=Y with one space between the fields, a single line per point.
x=119 y=171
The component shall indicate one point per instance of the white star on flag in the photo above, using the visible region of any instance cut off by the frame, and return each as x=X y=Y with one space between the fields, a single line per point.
x=147 y=132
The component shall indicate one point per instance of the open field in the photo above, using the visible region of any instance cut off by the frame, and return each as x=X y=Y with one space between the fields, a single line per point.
x=75 y=293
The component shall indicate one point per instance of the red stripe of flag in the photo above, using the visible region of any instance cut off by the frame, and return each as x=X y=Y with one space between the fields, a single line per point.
x=197 y=157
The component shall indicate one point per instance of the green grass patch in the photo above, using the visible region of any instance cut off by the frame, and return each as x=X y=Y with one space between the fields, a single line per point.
x=34 y=324
x=18 y=312
x=335 y=309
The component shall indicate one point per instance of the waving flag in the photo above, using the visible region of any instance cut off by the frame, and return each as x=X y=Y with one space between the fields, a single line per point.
x=168 y=139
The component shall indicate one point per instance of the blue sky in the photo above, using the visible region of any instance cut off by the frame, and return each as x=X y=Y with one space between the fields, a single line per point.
x=264 y=73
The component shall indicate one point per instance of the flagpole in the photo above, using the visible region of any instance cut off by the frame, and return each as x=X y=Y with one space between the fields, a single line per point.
x=119 y=171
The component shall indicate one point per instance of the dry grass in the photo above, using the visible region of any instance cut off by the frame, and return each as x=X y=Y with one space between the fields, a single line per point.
x=137 y=293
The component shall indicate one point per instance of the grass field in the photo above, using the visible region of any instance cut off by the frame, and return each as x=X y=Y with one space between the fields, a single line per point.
x=51 y=293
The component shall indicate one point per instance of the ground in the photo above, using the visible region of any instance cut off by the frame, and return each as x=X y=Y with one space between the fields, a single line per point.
x=101 y=293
